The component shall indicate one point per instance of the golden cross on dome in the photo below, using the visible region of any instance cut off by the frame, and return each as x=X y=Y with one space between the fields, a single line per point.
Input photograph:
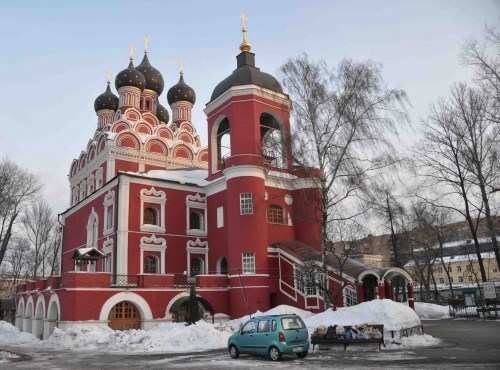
x=146 y=43
x=131 y=49
x=245 y=45
x=244 y=20
x=181 y=66
x=109 y=75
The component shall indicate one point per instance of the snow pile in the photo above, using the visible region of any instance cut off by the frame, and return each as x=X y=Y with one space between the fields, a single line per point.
x=9 y=334
x=175 y=337
x=429 y=311
x=393 y=315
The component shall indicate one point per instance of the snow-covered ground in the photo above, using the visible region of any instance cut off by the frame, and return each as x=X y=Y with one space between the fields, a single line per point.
x=177 y=337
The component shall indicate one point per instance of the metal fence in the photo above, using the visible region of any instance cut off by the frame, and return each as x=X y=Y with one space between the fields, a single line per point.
x=124 y=281
x=408 y=332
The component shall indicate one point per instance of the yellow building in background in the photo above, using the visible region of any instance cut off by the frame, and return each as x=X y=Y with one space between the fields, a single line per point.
x=464 y=270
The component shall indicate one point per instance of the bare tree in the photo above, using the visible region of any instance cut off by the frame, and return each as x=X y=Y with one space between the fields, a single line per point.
x=484 y=57
x=341 y=119
x=18 y=188
x=54 y=248
x=389 y=209
x=348 y=234
x=439 y=160
x=480 y=147
x=18 y=261
x=38 y=224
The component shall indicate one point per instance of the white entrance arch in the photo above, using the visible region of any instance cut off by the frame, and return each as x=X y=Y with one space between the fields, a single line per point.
x=53 y=316
x=37 y=329
x=131 y=297
x=28 y=314
x=20 y=314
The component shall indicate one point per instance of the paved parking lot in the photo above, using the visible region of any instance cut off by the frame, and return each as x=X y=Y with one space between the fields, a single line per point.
x=466 y=344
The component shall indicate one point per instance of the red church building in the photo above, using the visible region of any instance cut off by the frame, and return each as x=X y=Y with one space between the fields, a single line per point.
x=153 y=211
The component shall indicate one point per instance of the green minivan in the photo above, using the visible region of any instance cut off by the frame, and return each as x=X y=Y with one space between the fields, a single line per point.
x=274 y=335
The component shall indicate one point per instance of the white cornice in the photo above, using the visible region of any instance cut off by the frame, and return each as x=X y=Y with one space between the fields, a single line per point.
x=247 y=90
x=216 y=186
x=244 y=171
x=101 y=192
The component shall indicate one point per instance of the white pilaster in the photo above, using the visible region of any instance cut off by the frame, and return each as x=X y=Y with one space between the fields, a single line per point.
x=122 y=226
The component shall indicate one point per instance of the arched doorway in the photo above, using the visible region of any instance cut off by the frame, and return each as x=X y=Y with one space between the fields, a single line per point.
x=370 y=285
x=124 y=316
x=180 y=308
x=38 y=321
x=52 y=317
x=27 y=323
x=20 y=315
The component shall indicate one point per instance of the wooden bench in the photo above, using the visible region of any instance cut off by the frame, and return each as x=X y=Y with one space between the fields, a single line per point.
x=318 y=339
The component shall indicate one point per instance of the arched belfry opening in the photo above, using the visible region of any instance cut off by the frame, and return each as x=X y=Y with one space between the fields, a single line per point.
x=223 y=143
x=272 y=141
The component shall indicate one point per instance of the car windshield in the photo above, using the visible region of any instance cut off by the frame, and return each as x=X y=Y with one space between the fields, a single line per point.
x=290 y=323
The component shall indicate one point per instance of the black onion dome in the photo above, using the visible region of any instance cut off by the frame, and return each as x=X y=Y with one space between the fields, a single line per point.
x=162 y=113
x=181 y=92
x=107 y=100
x=130 y=77
x=247 y=74
x=154 y=79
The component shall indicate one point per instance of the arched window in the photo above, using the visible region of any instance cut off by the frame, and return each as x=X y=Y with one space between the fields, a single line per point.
x=92 y=225
x=273 y=148
x=151 y=265
x=275 y=214
x=196 y=266
x=223 y=266
x=150 y=216
x=195 y=221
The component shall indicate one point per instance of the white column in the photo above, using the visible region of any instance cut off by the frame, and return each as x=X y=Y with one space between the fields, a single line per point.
x=122 y=226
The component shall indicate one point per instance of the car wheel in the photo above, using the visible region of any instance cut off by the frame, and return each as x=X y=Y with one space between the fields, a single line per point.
x=302 y=354
x=274 y=354
x=233 y=351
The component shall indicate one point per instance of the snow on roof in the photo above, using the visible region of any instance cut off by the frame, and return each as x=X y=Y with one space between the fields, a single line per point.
x=466 y=257
x=458 y=243
x=192 y=176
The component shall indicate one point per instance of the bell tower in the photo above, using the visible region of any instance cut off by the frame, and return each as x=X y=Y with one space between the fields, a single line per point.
x=249 y=134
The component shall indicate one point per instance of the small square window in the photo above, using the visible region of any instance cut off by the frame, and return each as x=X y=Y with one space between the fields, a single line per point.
x=248 y=263
x=246 y=203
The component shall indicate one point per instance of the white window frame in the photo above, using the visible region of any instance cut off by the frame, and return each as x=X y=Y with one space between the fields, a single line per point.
x=90 y=184
x=350 y=296
x=220 y=217
x=98 y=178
x=92 y=229
x=153 y=196
x=83 y=189
x=153 y=244
x=198 y=204
x=196 y=248
x=107 y=249
x=248 y=263
x=74 y=198
x=246 y=203
x=109 y=208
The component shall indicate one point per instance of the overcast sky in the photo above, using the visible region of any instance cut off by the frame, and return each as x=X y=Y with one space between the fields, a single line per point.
x=55 y=54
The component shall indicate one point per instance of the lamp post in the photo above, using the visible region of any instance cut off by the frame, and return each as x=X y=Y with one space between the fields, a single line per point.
x=194 y=312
